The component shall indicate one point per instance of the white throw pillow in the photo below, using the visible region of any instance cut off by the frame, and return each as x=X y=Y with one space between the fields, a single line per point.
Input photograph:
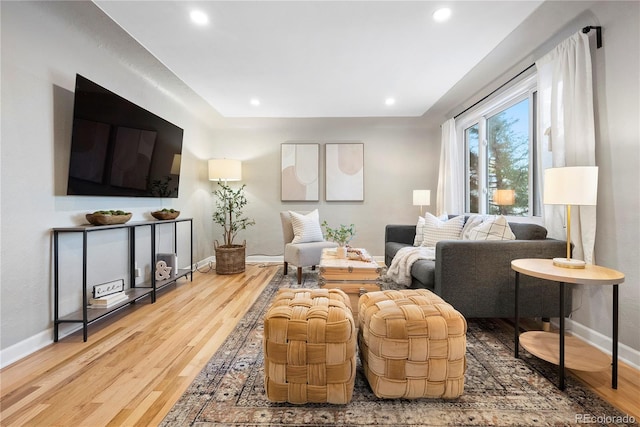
x=492 y=229
x=417 y=241
x=436 y=230
x=306 y=228
x=472 y=222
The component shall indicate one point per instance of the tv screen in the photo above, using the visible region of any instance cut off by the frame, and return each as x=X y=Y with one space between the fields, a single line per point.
x=119 y=148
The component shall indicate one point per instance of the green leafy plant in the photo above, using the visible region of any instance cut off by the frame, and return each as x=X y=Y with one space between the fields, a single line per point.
x=341 y=235
x=229 y=212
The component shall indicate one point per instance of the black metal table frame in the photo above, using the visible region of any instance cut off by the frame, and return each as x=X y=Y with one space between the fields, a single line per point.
x=85 y=230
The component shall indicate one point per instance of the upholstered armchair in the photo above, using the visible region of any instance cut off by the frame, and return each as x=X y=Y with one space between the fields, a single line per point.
x=303 y=240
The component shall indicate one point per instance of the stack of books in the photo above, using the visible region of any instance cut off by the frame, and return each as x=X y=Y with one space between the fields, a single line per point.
x=107 y=300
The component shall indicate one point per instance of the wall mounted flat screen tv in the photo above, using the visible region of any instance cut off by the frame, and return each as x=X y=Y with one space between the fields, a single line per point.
x=119 y=148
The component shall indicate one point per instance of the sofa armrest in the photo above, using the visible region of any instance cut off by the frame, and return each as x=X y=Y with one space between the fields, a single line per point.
x=477 y=279
x=400 y=233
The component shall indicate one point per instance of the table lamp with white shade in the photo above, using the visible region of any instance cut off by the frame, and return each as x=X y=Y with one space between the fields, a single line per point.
x=574 y=185
x=421 y=198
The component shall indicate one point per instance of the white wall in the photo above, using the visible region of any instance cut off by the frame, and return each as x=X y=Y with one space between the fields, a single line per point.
x=44 y=45
x=398 y=158
x=616 y=75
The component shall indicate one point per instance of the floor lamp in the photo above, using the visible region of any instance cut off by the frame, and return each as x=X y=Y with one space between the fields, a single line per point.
x=225 y=170
x=576 y=185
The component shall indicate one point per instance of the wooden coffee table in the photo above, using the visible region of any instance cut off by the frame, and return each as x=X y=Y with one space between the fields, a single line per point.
x=353 y=276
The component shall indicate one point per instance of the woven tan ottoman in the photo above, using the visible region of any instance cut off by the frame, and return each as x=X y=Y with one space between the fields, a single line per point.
x=412 y=344
x=310 y=347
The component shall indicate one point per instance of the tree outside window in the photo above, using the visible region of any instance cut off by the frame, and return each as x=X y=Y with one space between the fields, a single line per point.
x=498 y=147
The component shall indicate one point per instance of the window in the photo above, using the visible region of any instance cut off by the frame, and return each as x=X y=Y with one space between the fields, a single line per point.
x=498 y=139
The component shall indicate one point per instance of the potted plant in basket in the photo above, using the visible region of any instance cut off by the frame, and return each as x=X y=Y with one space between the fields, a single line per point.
x=230 y=257
x=341 y=235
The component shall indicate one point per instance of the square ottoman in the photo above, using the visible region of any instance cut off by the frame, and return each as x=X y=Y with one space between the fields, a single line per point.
x=310 y=347
x=412 y=344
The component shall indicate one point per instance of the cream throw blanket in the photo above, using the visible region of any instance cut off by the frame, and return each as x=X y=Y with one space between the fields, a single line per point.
x=400 y=269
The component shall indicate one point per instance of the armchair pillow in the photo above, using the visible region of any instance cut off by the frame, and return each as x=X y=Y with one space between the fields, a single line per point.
x=306 y=228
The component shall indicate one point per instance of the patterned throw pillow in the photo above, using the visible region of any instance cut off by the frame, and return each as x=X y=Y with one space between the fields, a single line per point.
x=492 y=229
x=306 y=228
x=436 y=230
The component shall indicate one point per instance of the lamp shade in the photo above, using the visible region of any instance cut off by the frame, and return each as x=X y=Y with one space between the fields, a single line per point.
x=504 y=197
x=421 y=197
x=225 y=170
x=574 y=185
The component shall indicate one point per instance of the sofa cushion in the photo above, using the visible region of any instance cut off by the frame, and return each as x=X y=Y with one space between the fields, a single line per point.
x=436 y=230
x=524 y=231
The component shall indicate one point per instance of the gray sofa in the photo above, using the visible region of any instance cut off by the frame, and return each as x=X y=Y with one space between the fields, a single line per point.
x=476 y=277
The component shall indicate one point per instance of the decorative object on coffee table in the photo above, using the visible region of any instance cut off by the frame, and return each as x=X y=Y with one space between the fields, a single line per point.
x=165 y=214
x=108 y=217
x=341 y=235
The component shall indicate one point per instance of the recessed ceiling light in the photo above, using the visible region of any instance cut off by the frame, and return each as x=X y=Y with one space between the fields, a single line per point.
x=442 y=14
x=255 y=102
x=389 y=101
x=199 y=17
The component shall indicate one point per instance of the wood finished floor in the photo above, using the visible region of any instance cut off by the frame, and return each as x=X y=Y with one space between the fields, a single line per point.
x=138 y=362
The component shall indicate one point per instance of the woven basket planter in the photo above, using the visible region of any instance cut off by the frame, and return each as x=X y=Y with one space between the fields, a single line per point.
x=230 y=259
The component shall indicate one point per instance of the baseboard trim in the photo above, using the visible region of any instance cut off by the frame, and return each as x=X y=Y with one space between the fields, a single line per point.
x=24 y=348
x=604 y=343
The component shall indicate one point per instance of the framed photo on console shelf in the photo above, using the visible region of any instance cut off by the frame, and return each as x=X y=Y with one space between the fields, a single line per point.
x=299 y=172
x=344 y=168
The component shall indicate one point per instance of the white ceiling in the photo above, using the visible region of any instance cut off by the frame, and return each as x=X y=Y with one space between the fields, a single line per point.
x=321 y=58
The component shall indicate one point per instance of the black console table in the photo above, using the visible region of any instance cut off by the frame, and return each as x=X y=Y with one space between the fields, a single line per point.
x=88 y=315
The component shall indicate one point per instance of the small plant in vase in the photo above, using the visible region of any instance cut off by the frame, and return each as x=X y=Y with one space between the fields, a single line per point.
x=341 y=235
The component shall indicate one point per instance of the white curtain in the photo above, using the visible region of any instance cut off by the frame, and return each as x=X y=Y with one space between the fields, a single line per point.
x=566 y=132
x=450 y=196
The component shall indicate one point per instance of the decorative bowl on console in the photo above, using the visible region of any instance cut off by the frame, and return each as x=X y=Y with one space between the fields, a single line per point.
x=108 y=217
x=165 y=214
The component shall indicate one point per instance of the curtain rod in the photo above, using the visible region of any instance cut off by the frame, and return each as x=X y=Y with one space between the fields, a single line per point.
x=494 y=91
x=584 y=30
x=598 y=29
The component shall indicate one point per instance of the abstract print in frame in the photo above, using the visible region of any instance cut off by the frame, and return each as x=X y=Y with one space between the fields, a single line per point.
x=344 y=167
x=299 y=179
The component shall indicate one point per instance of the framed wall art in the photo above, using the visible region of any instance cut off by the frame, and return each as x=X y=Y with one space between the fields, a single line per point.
x=344 y=168
x=300 y=165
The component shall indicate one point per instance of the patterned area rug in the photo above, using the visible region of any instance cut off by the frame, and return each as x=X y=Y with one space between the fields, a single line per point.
x=499 y=389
